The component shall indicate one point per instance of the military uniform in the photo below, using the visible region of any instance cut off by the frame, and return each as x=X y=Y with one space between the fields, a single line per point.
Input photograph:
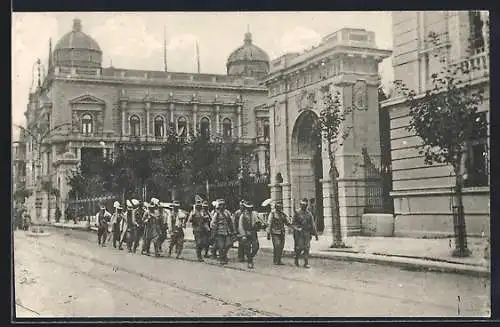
x=151 y=233
x=129 y=228
x=305 y=225
x=200 y=220
x=178 y=222
x=140 y=228
x=223 y=229
x=103 y=219
x=248 y=228
x=241 y=245
x=116 y=221
x=276 y=231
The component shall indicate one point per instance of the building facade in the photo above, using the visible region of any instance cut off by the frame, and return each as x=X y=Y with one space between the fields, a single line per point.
x=347 y=61
x=422 y=194
x=101 y=108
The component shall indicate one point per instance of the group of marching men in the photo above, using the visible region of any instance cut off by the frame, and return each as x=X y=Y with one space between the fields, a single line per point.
x=216 y=229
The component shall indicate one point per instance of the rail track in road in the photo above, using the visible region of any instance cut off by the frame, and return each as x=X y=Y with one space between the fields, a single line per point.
x=257 y=272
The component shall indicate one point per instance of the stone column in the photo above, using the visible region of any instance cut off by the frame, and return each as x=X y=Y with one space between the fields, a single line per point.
x=195 y=120
x=148 y=108
x=217 y=119
x=123 y=107
x=287 y=199
x=486 y=32
x=240 y=121
x=172 y=113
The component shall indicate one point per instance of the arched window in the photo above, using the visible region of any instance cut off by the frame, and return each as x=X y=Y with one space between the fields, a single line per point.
x=87 y=124
x=266 y=129
x=135 y=126
x=227 y=128
x=182 y=127
x=205 y=127
x=159 y=128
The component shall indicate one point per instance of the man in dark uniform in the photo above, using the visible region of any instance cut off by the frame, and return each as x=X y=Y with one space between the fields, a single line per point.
x=198 y=219
x=150 y=227
x=163 y=224
x=178 y=220
x=207 y=219
x=236 y=219
x=276 y=222
x=129 y=225
x=116 y=220
x=140 y=224
x=223 y=228
x=248 y=230
x=305 y=227
x=103 y=219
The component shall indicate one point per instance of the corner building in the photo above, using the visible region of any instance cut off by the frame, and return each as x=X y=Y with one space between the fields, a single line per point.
x=422 y=194
x=348 y=61
x=110 y=107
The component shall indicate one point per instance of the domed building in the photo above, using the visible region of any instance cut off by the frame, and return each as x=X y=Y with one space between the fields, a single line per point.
x=107 y=109
x=77 y=49
x=248 y=60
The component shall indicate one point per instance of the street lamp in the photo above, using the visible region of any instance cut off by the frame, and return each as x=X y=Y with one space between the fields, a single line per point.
x=38 y=140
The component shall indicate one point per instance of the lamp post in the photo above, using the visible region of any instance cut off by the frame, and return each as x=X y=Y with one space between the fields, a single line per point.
x=38 y=139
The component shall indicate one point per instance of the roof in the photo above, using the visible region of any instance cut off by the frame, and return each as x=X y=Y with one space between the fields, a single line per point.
x=76 y=39
x=248 y=51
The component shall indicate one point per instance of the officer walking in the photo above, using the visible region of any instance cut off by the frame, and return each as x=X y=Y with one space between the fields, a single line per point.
x=207 y=218
x=276 y=222
x=198 y=219
x=139 y=213
x=150 y=227
x=303 y=220
x=116 y=220
x=178 y=220
x=223 y=228
x=163 y=224
x=129 y=226
x=248 y=227
x=236 y=219
x=103 y=218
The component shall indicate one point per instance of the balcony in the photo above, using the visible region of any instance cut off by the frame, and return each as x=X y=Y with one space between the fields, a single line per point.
x=261 y=140
x=473 y=68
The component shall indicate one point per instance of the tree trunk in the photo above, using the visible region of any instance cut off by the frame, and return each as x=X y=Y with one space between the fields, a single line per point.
x=459 y=226
x=334 y=199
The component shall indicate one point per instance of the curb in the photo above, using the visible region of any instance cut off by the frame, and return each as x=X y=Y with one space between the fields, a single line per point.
x=380 y=259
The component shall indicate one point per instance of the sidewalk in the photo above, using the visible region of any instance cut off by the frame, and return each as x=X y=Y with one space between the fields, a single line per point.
x=410 y=253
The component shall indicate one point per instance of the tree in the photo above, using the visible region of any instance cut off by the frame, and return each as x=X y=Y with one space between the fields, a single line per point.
x=445 y=117
x=331 y=128
x=22 y=194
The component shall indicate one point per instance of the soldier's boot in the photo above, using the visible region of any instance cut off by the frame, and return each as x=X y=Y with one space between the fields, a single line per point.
x=297 y=261
x=179 y=250
x=198 y=254
x=306 y=262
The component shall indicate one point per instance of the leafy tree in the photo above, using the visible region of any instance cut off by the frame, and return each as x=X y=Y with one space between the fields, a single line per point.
x=20 y=195
x=445 y=117
x=331 y=127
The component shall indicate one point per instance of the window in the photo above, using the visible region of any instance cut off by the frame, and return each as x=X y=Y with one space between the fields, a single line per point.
x=158 y=126
x=182 y=127
x=205 y=127
x=87 y=124
x=477 y=154
x=476 y=31
x=135 y=126
x=266 y=129
x=227 y=128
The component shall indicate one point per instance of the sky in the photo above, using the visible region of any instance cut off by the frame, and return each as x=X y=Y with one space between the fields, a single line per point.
x=135 y=40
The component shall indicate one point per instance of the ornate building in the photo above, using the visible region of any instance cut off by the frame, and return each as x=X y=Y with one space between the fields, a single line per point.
x=104 y=108
x=348 y=61
x=422 y=194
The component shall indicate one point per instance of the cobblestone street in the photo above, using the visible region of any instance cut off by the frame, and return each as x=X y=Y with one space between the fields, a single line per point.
x=66 y=274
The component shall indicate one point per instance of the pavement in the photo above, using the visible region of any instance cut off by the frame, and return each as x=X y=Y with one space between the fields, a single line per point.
x=413 y=253
x=68 y=275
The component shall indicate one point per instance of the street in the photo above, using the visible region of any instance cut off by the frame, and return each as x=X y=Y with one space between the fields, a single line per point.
x=66 y=274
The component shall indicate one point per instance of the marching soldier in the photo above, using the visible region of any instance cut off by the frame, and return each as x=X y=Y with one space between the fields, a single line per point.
x=178 y=220
x=150 y=227
x=212 y=231
x=116 y=220
x=236 y=219
x=198 y=219
x=303 y=220
x=103 y=218
x=248 y=227
x=163 y=224
x=129 y=225
x=223 y=228
x=207 y=219
x=140 y=224
x=276 y=222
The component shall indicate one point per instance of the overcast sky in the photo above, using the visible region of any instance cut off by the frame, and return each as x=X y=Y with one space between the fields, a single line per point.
x=135 y=40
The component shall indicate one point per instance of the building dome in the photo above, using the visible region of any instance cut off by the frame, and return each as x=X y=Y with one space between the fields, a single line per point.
x=77 y=49
x=248 y=60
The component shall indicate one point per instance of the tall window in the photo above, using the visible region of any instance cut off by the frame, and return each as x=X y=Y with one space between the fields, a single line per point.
x=266 y=129
x=159 y=129
x=87 y=124
x=135 y=126
x=205 y=127
x=182 y=127
x=476 y=31
x=227 y=128
x=477 y=154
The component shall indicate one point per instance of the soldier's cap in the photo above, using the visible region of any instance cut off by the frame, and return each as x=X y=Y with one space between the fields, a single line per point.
x=135 y=202
x=164 y=205
x=176 y=203
x=304 y=201
x=214 y=203
x=129 y=204
x=155 y=202
x=204 y=203
x=242 y=202
x=220 y=201
x=116 y=204
x=248 y=204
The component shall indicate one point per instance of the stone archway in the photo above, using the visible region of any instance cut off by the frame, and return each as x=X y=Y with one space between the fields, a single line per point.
x=306 y=166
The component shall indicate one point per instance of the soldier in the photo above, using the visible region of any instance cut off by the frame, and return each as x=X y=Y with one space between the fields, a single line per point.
x=206 y=223
x=248 y=228
x=198 y=219
x=140 y=224
x=236 y=219
x=276 y=222
x=116 y=220
x=303 y=220
x=223 y=228
x=178 y=220
x=129 y=226
x=212 y=231
x=103 y=218
x=163 y=224
x=150 y=227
